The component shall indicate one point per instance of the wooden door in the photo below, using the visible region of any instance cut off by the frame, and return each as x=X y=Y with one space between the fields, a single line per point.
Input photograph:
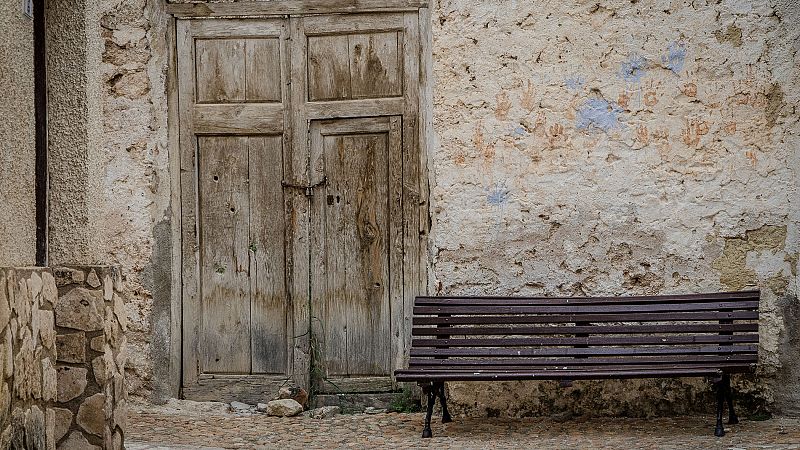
x=236 y=307
x=356 y=251
x=303 y=208
x=358 y=103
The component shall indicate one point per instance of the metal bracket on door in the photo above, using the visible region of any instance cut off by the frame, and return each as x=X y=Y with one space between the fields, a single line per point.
x=308 y=188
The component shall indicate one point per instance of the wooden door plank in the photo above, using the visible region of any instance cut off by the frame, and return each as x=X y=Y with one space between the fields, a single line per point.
x=328 y=69
x=283 y=7
x=376 y=64
x=369 y=338
x=395 y=246
x=190 y=302
x=267 y=257
x=297 y=174
x=238 y=118
x=224 y=259
x=263 y=70
x=220 y=70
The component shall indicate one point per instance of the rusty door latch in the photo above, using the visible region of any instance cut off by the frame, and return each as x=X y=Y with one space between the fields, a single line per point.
x=308 y=188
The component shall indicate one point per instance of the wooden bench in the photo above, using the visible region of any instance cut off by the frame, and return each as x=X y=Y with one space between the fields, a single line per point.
x=536 y=338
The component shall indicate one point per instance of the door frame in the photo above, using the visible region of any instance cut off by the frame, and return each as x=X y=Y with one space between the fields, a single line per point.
x=424 y=137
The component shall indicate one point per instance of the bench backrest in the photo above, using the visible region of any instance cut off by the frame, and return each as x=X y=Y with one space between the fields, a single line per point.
x=719 y=330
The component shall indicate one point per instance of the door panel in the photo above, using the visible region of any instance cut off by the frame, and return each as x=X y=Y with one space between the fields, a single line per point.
x=224 y=204
x=237 y=311
x=354 y=222
x=269 y=312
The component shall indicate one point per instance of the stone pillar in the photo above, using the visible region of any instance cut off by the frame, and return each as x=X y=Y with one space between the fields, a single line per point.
x=27 y=358
x=90 y=321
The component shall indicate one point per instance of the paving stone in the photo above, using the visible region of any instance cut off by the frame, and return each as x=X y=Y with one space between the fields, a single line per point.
x=81 y=309
x=240 y=407
x=71 y=347
x=91 y=415
x=71 y=382
x=156 y=428
x=324 y=412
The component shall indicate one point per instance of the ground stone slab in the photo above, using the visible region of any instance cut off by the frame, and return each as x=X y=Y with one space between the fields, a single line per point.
x=240 y=407
x=324 y=412
x=283 y=408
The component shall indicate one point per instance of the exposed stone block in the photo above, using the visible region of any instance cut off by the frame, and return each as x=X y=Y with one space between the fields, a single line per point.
x=35 y=429
x=66 y=276
x=77 y=441
x=49 y=380
x=80 y=309
x=91 y=415
x=104 y=367
x=5 y=308
x=71 y=382
x=49 y=289
x=108 y=288
x=71 y=347
x=92 y=279
x=119 y=311
x=47 y=328
x=8 y=363
x=35 y=288
x=50 y=428
x=97 y=343
x=63 y=422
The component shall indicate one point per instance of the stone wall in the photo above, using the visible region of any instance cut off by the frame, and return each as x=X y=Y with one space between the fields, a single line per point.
x=62 y=354
x=17 y=138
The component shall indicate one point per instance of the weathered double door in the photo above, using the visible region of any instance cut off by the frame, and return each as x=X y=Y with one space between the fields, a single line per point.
x=300 y=196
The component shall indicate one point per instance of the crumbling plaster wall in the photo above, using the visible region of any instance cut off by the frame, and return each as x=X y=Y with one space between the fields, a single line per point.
x=17 y=138
x=109 y=168
x=619 y=147
x=579 y=148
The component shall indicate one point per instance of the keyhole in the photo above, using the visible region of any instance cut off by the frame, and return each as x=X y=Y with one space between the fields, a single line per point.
x=216 y=178
x=337 y=199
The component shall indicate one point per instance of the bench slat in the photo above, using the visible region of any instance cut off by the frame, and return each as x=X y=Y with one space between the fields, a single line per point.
x=552 y=375
x=586 y=329
x=572 y=318
x=742 y=359
x=589 y=340
x=474 y=367
x=579 y=309
x=599 y=351
x=534 y=301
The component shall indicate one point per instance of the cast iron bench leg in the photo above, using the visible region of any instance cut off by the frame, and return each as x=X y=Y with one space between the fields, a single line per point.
x=732 y=418
x=445 y=414
x=430 y=391
x=719 y=387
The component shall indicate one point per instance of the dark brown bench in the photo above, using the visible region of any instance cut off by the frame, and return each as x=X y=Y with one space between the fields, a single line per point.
x=536 y=338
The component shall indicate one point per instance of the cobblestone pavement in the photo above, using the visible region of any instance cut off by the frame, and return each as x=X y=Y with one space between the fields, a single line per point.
x=151 y=428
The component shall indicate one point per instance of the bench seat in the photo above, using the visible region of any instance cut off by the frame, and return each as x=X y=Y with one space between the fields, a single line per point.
x=540 y=338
